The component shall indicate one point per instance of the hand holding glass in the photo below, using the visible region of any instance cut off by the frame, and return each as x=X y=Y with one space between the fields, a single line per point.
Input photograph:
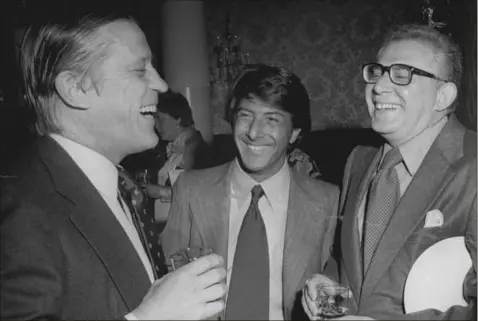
x=185 y=256
x=331 y=300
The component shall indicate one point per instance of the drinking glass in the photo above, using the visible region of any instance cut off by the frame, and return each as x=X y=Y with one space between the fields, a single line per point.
x=142 y=177
x=331 y=300
x=185 y=256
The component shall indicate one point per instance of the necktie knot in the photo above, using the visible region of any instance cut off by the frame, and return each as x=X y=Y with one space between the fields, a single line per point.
x=257 y=193
x=391 y=159
x=122 y=184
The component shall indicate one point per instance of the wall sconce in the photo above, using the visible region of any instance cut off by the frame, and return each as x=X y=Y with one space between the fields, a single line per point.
x=229 y=60
x=428 y=10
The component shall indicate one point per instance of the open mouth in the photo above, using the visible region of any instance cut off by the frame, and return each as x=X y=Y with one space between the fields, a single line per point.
x=149 y=110
x=379 y=106
x=256 y=148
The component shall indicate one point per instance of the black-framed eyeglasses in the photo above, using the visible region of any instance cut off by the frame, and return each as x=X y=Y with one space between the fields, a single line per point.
x=399 y=74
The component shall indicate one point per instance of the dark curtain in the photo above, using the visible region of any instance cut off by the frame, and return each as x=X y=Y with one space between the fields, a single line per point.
x=465 y=35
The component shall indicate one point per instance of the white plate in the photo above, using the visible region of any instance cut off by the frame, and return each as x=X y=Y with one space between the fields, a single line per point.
x=436 y=278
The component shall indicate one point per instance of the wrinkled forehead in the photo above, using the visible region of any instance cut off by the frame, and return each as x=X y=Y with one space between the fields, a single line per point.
x=125 y=36
x=270 y=103
x=257 y=105
x=415 y=53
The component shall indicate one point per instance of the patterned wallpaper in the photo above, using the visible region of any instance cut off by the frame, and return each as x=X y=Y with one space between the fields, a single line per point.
x=324 y=42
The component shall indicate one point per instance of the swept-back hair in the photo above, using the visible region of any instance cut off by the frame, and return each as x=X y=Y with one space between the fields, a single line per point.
x=61 y=43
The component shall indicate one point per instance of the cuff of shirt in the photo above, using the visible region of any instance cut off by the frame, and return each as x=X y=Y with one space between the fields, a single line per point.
x=131 y=316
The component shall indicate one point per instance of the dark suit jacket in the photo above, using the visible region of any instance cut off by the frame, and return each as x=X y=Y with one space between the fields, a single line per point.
x=446 y=180
x=63 y=253
x=199 y=216
x=197 y=153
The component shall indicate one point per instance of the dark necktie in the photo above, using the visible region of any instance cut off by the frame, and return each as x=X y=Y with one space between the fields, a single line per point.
x=383 y=197
x=248 y=297
x=144 y=223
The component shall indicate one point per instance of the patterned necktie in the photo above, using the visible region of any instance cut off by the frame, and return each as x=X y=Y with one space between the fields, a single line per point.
x=144 y=223
x=383 y=197
x=248 y=297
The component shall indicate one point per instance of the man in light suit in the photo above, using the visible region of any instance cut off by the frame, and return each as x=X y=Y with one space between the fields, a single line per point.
x=411 y=94
x=71 y=248
x=269 y=109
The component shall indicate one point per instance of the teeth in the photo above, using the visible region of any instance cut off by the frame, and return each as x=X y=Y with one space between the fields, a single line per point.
x=148 y=109
x=387 y=106
x=256 y=148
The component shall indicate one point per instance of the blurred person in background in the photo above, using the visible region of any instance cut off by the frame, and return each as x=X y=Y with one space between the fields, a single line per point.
x=185 y=149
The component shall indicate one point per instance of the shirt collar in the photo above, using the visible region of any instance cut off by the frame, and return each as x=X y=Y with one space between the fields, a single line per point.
x=102 y=173
x=414 y=151
x=276 y=187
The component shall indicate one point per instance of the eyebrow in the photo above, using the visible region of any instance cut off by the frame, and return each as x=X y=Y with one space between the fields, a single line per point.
x=136 y=62
x=275 y=113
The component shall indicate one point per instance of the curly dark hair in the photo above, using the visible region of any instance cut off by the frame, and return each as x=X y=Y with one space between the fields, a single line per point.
x=275 y=86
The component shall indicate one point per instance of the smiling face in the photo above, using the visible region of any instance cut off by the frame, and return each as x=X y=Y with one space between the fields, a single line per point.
x=399 y=113
x=126 y=92
x=262 y=134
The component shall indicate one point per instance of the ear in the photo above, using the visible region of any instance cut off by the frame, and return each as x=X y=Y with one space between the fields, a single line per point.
x=294 y=136
x=69 y=87
x=446 y=95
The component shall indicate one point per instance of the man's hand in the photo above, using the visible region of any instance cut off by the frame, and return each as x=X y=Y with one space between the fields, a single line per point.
x=160 y=192
x=194 y=291
x=310 y=294
x=354 y=317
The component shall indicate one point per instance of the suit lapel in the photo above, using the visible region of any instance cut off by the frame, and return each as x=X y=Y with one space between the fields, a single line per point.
x=118 y=256
x=351 y=248
x=98 y=225
x=210 y=208
x=299 y=241
x=431 y=177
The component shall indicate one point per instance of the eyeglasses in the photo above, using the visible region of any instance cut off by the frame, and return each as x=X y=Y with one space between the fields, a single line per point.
x=399 y=74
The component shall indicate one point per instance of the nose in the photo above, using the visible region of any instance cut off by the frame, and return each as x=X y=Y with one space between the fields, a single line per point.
x=255 y=128
x=156 y=82
x=383 y=84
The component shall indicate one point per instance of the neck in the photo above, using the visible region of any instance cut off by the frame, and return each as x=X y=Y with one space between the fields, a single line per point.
x=90 y=142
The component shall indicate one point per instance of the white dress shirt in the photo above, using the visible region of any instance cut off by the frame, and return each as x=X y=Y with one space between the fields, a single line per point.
x=273 y=207
x=103 y=174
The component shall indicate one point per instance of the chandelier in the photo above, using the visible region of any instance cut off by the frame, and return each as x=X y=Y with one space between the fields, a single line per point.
x=229 y=60
x=429 y=8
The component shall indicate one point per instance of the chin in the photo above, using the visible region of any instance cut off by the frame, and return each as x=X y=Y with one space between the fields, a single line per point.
x=148 y=142
x=383 y=127
x=252 y=166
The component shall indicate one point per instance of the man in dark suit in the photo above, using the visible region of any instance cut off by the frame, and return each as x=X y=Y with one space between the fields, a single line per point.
x=269 y=110
x=72 y=247
x=428 y=192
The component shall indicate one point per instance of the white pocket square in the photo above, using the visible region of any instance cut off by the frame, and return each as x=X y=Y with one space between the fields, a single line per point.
x=434 y=218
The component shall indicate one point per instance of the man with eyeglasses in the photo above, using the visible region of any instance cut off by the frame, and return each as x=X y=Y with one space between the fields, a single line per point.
x=415 y=190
